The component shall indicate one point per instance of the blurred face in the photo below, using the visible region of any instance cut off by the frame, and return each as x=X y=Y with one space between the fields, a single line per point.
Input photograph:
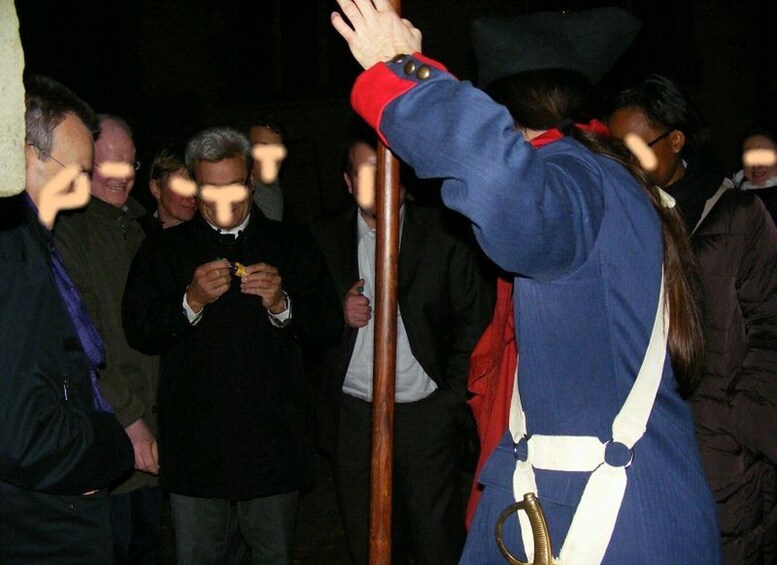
x=364 y=191
x=262 y=135
x=230 y=171
x=172 y=208
x=364 y=188
x=667 y=149
x=72 y=145
x=113 y=145
x=760 y=174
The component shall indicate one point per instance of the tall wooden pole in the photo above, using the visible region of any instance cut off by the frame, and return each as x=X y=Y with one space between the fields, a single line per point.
x=387 y=255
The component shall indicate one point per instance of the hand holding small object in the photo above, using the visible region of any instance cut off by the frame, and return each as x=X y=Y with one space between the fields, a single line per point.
x=264 y=281
x=356 y=307
x=209 y=282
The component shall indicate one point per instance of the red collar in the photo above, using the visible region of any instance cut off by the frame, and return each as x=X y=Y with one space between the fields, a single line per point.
x=594 y=126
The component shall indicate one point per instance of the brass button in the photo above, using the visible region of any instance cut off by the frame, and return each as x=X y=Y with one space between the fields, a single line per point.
x=410 y=67
x=423 y=73
x=398 y=58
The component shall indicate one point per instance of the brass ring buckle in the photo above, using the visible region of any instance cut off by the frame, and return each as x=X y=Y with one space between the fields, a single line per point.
x=543 y=552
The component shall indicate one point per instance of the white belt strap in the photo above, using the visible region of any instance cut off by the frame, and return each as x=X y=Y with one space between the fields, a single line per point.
x=523 y=477
x=594 y=520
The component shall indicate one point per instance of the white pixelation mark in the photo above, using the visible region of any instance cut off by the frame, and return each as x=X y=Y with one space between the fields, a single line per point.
x=70 y=189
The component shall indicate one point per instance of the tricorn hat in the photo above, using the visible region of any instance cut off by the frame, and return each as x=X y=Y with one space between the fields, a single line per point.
x=588 y=41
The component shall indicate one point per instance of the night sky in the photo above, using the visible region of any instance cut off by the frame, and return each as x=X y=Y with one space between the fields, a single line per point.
x=172 y=67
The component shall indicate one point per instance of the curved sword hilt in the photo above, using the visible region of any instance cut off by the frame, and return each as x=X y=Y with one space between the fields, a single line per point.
x=543 y=551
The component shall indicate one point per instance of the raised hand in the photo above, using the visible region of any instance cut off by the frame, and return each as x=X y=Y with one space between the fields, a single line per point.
x=376 y=32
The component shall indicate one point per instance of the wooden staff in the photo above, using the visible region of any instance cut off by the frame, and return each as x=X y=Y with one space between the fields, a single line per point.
x=387 y=255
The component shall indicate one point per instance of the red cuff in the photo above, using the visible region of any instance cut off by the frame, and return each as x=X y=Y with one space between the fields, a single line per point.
x=378 y=86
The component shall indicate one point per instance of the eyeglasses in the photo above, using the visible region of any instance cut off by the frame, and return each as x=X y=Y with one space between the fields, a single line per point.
x=58 y=162
x=659 y=138
x=135 y=165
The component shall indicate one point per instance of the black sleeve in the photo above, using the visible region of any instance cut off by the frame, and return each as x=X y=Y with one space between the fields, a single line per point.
x=472 y=291
x=754 y=398
x=152 y=308
x=49 y=442
x=317 y=313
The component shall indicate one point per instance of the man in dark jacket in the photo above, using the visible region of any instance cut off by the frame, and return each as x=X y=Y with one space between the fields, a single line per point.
x=56 y=448
x=445 y=304
x=225 y=299
x=97 y=244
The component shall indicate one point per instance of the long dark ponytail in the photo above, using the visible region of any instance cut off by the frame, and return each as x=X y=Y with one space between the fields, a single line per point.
x=544 y=99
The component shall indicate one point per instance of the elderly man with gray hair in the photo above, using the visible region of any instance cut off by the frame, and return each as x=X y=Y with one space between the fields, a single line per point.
x=227 y=299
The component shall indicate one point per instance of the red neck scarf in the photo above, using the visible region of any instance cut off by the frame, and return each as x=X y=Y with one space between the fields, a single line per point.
x=594 y=126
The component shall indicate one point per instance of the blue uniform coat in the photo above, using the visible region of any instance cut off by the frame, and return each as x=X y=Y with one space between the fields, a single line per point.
x=584 y=243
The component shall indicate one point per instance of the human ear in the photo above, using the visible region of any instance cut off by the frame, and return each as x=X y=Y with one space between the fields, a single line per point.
x=677 y=141
x=155 y=190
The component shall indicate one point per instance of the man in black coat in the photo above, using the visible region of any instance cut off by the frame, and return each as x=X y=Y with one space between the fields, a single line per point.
x=226 y=299
x=445 y=304
x=56 y=448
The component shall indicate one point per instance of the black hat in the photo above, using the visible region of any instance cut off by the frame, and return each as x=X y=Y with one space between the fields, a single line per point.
x=589 y=41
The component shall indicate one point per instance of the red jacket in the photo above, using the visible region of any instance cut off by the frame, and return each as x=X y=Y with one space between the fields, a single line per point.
x=491 y=372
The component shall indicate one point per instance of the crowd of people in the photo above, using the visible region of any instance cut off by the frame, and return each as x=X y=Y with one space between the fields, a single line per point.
x=613 y=329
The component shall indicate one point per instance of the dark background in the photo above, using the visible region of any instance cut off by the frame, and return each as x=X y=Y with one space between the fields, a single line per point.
x=172 y=67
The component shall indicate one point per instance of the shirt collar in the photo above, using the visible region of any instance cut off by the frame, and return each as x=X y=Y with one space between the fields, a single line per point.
x=361 y=225
x=234 y=231
x=132 y=208
x=364 y=228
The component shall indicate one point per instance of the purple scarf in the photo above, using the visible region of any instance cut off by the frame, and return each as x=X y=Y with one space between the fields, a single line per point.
x=90 y=340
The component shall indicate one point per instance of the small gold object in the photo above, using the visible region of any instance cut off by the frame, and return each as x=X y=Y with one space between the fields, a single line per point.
x=543 y=551
x=409 y=67
x=238 y=269
x=398 y=58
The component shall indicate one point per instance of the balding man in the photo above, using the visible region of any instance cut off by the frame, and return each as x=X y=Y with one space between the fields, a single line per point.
x=57 y=441
x=98 y=243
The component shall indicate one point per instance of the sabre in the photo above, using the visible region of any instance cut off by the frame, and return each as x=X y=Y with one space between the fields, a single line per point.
x=543 y=551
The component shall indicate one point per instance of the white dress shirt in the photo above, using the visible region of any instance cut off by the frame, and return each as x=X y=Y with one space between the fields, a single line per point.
x=412 y=382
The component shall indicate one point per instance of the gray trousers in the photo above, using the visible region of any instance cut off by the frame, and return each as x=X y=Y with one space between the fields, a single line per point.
x=215 y=531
